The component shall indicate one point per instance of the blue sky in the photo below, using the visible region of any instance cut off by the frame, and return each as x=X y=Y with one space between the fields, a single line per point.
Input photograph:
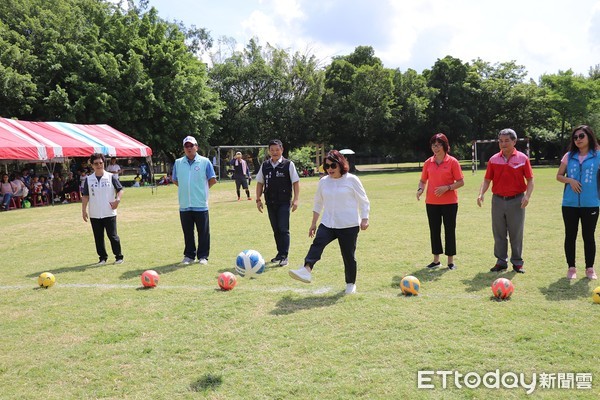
x=545 y=37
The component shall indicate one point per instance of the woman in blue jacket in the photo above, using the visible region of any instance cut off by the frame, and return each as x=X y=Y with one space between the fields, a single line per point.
x=579 y=172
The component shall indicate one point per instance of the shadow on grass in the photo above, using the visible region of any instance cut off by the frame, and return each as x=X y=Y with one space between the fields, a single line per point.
x=78 y=268
x=206 y=382
x=165 y=269
x=423 y=275
x=562 y=289
x=485 y=279
x=268 y=267
x=288 y=304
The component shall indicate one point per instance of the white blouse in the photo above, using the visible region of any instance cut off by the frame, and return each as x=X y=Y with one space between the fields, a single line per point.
x=342 y=201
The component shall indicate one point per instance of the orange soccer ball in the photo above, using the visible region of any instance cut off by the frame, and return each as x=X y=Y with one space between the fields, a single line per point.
x=227 y=281
x=502 y=288
x=150 y=278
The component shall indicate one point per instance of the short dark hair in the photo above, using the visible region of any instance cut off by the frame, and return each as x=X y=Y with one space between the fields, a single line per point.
x=96 y=156
x=440 y=138
x=275 y=141
x=339 y=158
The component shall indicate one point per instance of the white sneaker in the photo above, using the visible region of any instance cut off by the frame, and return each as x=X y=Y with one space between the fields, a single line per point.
x=301 y=274
x=350 y=288
x=100 y=263
x=203 y=261
x=117 y=262
x=187 y=261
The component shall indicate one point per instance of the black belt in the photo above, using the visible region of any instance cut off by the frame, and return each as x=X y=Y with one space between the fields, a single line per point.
x=508 y=197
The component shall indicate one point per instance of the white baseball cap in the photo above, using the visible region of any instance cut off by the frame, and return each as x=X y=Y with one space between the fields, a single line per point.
x=189 y=139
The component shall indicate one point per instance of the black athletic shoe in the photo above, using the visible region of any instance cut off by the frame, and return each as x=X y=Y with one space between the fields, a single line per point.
x=519 y=269
x=434 y=265
x=499 y=268
x=451 y=267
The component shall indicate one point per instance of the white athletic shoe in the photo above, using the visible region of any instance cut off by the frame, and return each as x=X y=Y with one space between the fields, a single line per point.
x=301 y=274
x=117 y=262
x=350 y=288
x=187 y=261
x=101 y=263
x=203 y=261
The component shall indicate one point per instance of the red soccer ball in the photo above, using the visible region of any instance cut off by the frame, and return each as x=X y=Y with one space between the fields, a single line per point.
x=502 y=288
x=227 y=281
x=150 y=278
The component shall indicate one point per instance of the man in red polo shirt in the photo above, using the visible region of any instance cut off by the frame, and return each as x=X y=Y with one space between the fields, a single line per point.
x=511 y=173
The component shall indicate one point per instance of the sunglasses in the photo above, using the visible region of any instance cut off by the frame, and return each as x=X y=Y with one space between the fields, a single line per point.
x=333 y=165
x=188 y=145
x=580 y=136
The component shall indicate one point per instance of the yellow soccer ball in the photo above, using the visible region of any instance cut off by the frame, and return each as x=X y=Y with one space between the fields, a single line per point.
x=596 y=295
x=410 y=285
x=46 y=279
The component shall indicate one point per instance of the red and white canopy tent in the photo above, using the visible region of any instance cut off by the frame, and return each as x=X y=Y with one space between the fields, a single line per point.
x=54 y=141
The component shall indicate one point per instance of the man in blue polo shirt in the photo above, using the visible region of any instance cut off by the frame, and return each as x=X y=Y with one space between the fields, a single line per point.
x=194 y=175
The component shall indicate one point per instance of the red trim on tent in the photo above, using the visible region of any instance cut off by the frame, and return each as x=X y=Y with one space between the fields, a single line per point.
x=43 y=141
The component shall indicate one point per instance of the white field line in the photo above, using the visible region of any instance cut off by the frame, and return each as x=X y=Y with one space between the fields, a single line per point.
x=319 y=290
x=281 y=289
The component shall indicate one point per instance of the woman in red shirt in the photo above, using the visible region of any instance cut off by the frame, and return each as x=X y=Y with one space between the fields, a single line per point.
x=444 y=175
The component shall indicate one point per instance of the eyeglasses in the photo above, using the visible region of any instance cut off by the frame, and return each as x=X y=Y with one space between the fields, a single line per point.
x=436 y=144
x=578 y=137
x=98 y=162
x=333 y=165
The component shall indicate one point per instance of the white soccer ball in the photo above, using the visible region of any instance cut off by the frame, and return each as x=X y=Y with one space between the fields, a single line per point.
x=249 y=263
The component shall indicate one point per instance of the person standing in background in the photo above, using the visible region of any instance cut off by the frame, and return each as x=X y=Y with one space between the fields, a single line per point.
x=241 y=174
x=512 y=177
x=443 y=177
x=578 y=172
x=102 y=191
x=277 y=179
x=194 y=175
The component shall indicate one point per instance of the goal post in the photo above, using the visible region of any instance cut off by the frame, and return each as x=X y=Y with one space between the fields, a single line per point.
x=474 y=154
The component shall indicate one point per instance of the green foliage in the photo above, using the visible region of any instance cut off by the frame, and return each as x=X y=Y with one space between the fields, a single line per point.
x=357 y=106
x=303 y=158
x=89 y=61
x=94 y=61
x=268 y=93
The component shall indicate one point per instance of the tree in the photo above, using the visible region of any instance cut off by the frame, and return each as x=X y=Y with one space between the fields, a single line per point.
x=358 y=101
x=268 y=94
x=570 y=96
x=90 y=61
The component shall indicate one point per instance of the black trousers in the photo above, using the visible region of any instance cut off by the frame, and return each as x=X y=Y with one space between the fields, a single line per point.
x=589 y=218
x=446 y=214
x=279 y=216
x=346 y=237
x=243 y=182
x=99 y=225
x=198 y=220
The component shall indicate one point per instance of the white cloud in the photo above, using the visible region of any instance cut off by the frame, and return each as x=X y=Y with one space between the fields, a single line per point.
x=557 y=34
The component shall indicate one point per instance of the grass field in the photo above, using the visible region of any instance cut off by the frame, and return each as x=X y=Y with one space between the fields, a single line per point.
x=97 y=334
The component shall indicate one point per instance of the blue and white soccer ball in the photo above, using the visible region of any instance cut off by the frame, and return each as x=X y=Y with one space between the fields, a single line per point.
x=249 y=263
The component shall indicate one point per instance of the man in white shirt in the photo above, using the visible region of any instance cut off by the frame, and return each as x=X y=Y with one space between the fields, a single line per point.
x=277 y=178
x=113 y=167
x=102 y=191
